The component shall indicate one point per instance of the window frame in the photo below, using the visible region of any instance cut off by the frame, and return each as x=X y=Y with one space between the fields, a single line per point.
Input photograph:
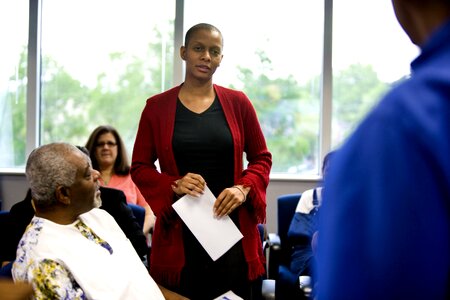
x=34 y=70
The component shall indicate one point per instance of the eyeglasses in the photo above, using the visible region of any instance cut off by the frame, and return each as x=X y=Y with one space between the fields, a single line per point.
x=109 y=144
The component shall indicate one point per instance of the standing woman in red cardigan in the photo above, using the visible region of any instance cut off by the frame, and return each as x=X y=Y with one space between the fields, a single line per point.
x=199 y=132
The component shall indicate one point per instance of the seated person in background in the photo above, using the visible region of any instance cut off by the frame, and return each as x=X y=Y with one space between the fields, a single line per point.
x=72 y=249
x=303 y=229
x=108 y=155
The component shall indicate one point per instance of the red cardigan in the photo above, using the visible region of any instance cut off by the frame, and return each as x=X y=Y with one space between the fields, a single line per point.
x=154 y=142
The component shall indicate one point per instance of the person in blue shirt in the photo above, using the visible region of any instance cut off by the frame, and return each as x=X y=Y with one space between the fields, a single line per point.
x=303 y=230
x=386 y=232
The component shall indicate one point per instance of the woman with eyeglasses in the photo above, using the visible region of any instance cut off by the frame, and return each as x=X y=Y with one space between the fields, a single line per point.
x=108 y=155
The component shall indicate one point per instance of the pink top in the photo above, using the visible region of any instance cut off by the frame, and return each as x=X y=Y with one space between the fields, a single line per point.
x=126 y=184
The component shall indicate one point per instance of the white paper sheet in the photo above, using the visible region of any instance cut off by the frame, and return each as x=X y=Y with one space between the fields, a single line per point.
x=229 y=296
x=216 y=235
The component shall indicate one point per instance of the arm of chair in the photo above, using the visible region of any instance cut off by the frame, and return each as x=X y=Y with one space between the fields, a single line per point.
x=274 y=239
x=273 y=255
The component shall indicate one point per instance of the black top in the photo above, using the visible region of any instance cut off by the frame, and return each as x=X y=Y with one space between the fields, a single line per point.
x=202 y=143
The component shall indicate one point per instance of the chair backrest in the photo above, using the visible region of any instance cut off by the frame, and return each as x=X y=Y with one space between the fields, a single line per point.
x=4 y=223
x=139 y=213
x=286 y=205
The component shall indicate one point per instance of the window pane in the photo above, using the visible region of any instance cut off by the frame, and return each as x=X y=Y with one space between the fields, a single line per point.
x=101 y=60
x=13 y=72
x=370 y=53
x=273 y=52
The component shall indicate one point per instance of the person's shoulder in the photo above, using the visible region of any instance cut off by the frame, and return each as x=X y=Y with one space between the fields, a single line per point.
x=98 y=217
x=413 y=108
x=24 y=206
x=305 y=203
x=229 y=91
x=96 y=213
x=169 y=94
x=157 y=106
x=22 y=210
x=236 y=99
x=111 y=194
x=36 y=228
x=307 y=196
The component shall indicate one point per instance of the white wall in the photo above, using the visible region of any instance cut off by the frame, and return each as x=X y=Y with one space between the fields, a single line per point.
x=13 y=188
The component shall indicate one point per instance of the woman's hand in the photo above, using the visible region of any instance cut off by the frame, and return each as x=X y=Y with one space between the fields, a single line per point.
x=230 y=199
x=149 y=220
x=191 y=184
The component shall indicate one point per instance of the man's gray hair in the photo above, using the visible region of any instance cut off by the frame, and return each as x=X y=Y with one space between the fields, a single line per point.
x=47 y=168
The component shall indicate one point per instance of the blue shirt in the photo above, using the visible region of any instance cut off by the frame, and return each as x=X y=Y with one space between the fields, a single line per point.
x=384 y=228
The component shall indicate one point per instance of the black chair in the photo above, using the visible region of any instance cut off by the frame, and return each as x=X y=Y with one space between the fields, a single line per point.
x=280 y=250
x=5 y=271
x=279 y=243
x=267 y=284
x=139 y=213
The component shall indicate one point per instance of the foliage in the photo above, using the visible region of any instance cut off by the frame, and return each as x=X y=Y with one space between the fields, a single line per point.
x=289 y=112
x=63 y=102
x=72 y=111
x=17 y=102
x=355 y=91
x=289 y=117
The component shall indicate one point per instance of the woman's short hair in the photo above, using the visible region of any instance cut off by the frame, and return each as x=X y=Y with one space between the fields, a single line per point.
x=121 y=165
x=197 y=27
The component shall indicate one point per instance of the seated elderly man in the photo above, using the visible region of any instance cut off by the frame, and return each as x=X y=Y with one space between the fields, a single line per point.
x=112 y=200
x=71 y=249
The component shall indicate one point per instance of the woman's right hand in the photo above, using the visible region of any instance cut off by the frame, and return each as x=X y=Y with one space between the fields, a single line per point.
x=191 y=184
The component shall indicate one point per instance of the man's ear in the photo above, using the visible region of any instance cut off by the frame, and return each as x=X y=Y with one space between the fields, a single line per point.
x=63 y=195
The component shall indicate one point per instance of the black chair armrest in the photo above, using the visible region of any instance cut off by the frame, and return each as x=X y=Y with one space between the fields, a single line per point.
x=274 y=239
x=273 y=255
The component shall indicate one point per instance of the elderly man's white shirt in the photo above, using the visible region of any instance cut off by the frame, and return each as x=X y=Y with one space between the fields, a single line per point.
x=99 y=273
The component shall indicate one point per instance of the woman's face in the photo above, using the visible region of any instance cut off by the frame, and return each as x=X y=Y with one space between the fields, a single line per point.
x=106 y=150
x=203 y=54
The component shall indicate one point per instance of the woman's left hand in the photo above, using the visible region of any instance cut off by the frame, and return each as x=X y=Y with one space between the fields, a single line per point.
x=230 y=199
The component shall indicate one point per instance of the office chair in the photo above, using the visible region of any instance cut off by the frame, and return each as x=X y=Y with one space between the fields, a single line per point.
x=280 y=250
x=5 y=271
x=139 y=213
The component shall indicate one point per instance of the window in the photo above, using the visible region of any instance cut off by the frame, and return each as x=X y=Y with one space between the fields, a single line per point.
x=370 y=54
x=101 y=60
x=273 y=52
x=13 y=72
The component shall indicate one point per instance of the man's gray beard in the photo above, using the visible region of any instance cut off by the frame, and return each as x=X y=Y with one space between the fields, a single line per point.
x=97 y=201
